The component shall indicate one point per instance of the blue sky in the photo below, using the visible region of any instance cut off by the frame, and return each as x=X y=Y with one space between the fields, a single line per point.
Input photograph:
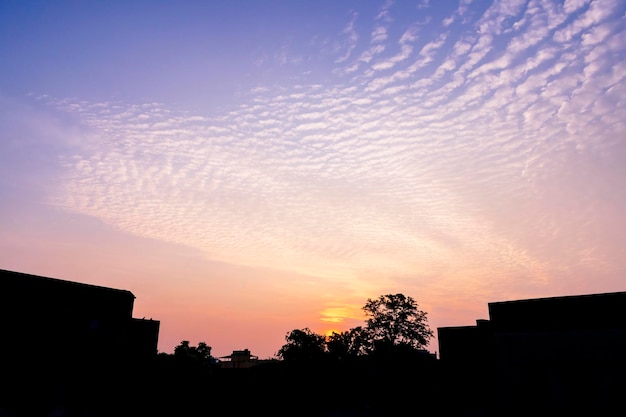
x=247 y=168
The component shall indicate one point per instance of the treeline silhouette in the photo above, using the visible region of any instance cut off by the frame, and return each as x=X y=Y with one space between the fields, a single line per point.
x=383 y=383
x=379 y=369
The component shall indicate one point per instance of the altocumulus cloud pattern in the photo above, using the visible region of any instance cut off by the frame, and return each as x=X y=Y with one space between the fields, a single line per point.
x=443 y=148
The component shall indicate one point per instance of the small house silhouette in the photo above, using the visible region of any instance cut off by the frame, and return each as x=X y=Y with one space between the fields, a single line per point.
x=238 y=359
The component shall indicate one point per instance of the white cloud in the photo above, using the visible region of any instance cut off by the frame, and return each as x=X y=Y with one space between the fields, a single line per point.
x=405 y=53
x=595 y=13
x=571 y=6
x=384 y=11
x=351 y=39
x=379 y=34
x=410 y=35
x=447 y=21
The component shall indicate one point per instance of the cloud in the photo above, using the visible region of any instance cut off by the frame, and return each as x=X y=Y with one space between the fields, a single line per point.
x=453 y=162
x=410 y=35
x=351 y=39
x=447 y=21
x=379 y=34
x=593 y=15
x=384 y=11
x=571 y=6
x=405 y=53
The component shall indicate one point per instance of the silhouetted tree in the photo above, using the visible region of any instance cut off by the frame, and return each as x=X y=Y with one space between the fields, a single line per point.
x=346 y=344
x=302 y=345
x=395 y=319
x=200 y=354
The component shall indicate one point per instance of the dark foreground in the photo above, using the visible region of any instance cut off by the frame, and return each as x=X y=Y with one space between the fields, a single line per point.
x=168 y=387
x=396 y=385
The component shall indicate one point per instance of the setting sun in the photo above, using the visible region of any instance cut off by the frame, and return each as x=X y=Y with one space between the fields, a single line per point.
x=330 y=332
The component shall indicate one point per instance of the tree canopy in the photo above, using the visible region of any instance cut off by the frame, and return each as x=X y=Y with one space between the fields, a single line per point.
x=200 y=354
x=395 y=319
x=346 y=344
x=302 y=345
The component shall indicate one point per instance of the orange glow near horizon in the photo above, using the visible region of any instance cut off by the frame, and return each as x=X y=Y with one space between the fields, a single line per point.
x=330 y=332
x=340 y=314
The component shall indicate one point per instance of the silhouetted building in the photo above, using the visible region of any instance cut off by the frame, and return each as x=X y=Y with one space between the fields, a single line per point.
x=465 y=345
x=239 y=359
x=553 y=355
x=65 y=316
x=64 y=341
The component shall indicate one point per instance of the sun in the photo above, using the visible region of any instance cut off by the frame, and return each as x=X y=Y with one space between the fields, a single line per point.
x=330 y=332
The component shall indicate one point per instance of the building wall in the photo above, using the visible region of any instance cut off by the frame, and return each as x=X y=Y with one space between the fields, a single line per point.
x=46 y=319
x=144 y=337
x=556 y=355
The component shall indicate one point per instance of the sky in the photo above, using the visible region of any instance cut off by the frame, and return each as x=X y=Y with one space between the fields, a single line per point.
x=253 y=167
